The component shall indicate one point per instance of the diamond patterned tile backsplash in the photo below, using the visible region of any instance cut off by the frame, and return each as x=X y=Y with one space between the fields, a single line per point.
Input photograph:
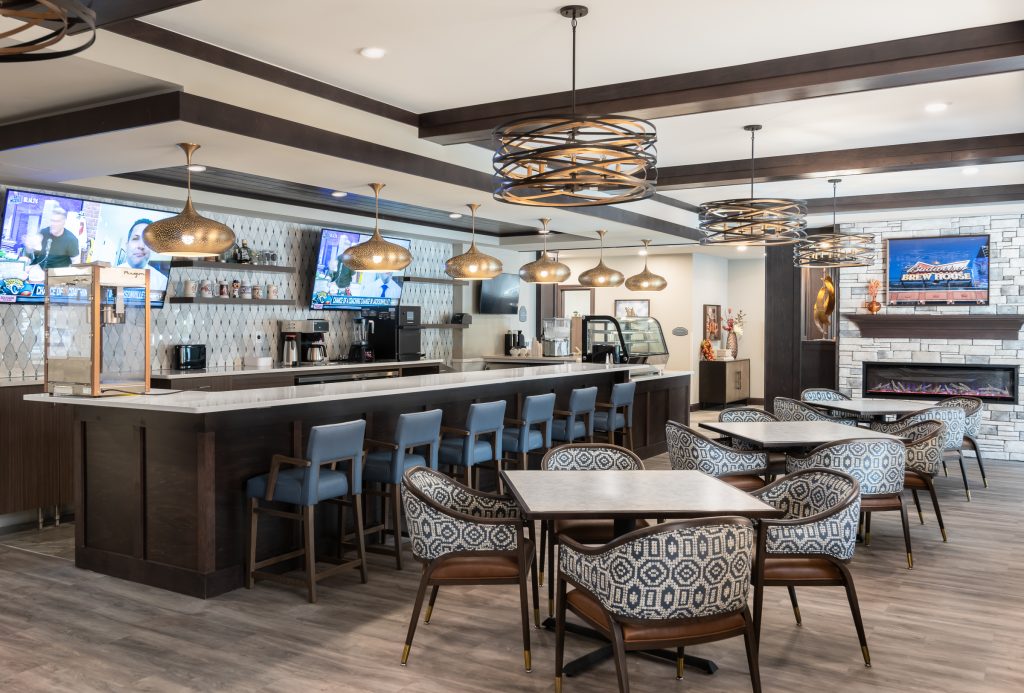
x=231 y=332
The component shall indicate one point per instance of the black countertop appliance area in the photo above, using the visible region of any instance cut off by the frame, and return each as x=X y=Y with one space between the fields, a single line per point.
x=396 y=334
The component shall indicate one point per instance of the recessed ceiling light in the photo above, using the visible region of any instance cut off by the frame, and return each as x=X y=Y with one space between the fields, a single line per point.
x=196 y=168
x=969 y=170
x=372 y=52
x=454 y=215
x=339 y=193
x=936 y=107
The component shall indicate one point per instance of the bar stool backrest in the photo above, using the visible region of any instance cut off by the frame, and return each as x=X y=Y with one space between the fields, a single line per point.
x=622 y=396
x=340 y=441
x=418 y=429
x=538 y=409
x=485 y=417
x=583 y=400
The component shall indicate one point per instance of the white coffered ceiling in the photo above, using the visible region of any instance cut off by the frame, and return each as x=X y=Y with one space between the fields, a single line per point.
x=451 y=53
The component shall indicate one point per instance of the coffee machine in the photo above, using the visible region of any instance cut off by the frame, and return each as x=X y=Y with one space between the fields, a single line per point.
x=306 y=337
x=396 y=333
x=362 y=327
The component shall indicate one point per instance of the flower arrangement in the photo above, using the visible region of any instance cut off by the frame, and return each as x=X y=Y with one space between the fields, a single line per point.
x=873 y=286
x=706 y=352
x=734 y=324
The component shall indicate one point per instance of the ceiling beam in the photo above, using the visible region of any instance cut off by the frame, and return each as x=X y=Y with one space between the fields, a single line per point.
x=922 y=59
x=971 y=151
x=956 y=197
x=112 y=11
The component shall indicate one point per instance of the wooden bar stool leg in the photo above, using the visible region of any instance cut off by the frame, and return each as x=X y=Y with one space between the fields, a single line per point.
x=253 y=525
x=360 y=537
x=396 y=519
x=309 y=531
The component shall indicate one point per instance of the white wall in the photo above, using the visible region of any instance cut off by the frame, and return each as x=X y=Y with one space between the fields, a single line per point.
x=747 y=293
x=486 y=334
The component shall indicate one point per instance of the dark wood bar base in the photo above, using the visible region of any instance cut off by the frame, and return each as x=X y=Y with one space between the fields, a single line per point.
x=160 y=496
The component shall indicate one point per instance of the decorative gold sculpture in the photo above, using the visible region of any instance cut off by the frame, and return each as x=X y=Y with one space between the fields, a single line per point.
x=825 y=304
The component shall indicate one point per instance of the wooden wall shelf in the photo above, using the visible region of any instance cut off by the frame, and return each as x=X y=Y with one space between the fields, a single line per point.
x=442 y=326
x=228 y=301
x=434 y=280
x=232 y=266
x=932 y=326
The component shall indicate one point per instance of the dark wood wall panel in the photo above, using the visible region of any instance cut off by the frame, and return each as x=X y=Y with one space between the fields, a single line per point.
x=113 y=477
x=781 y=326
x=169 y=474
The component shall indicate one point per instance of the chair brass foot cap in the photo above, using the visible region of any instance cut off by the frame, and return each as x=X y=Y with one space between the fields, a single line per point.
x=944 y=537
x=867 y=655
x=540 y=577
x=558 y=684
x=985 y=481
x=426 y=617
x=527 y=662
x=536 y=618
x=405 y=655
x=910 y=561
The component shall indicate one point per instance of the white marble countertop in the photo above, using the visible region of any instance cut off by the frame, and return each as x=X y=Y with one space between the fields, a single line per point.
x=22 y=381
x=202 y=402
x=659 y=376
x=496 y=358
x=228 y=370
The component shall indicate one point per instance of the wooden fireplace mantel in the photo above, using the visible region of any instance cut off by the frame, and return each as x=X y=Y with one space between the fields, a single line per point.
x=934 y=326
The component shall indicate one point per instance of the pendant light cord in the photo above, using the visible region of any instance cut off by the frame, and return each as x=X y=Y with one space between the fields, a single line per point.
x=835 y=184
x=752 y=134
x=574 y=63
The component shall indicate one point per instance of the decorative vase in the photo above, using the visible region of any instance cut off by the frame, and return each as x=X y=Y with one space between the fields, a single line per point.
x=874 y=307
x=732 y=343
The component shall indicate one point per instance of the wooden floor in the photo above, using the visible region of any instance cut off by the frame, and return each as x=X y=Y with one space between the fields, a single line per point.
x=954 y=624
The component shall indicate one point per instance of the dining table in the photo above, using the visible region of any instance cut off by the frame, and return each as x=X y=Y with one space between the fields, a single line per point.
x=791 y=436
x=875 y=407
x=626 y=496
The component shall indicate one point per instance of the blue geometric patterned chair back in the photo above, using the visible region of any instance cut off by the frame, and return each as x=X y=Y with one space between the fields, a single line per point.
x=822 y=394
x=924 y=443
x=972 y=407
x=687 y=569
x=585 y=457
x=416 y=429
x=583 y=400
x=822 y=507
x=622 y=396
x=787 y=409
x=877 y=464
x=689 y=450
x=746 y=414
x=335 y=442
x=954 y=417
x=440 y=514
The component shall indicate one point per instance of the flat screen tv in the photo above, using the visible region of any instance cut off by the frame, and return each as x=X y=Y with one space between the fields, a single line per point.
x=42 y=231
x=336 y=287
x=500 y=295
x=939 y=270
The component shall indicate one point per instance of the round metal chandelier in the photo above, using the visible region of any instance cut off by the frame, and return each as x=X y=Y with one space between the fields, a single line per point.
x=835 y=249
x=574 y=160
x=56 y=17
x=545 y=269
x=473 y=264
x=188 y=233
x=376 y=254
x=753 y=221
x=646 y=280
x=601 y=275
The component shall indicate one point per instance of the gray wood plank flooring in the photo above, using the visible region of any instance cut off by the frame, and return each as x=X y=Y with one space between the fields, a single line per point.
x=952 y=625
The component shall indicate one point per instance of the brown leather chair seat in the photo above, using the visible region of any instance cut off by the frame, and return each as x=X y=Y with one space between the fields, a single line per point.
x=744 y=482
x=870 y=504
x=799 y=569
x=588 y=608
x=911 y=480
x=482 y=567
x=596 y=531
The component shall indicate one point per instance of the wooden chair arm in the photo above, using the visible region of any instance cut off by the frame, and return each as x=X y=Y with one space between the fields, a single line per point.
x=514 y=422
x=562 y=412
x=371 y=443
x=453 y=429
x=606 y=405
x=275 y=468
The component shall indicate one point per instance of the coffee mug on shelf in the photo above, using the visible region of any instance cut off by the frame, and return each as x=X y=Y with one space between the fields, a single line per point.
x=245 y=291
x=206 y=289
x=223 y=289
x=272 y=292
x=257 y=291
x=189 y=288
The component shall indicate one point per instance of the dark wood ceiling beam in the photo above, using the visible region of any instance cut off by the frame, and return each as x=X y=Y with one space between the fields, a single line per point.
x=113 y=11
x=971 y=151
x=922 y=59
x=920 y=199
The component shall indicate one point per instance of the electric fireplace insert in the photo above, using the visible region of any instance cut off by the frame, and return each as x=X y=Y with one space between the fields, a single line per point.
x=991 y=383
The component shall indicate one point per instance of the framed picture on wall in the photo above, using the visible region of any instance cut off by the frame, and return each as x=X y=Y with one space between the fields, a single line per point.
x=712 y=322
x=633 y=308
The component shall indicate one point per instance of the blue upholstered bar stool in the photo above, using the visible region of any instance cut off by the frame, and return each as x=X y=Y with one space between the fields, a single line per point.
x=577 y=422
x=532 y=432
x=469 y=447
x=305 y=483
x=414 y=431
x=617 y=414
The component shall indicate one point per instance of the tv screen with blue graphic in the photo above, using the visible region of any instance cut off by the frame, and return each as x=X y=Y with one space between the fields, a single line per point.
x=336 y=287
x=41 y=231
x=941 y=270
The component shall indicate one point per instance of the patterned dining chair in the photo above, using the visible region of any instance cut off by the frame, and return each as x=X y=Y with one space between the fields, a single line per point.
x=825 y=395
x=924 y=443
x=630 y=590
x=972 y=407
x=465 y=537
x=787 y=409
x=580 y=457
x=688 y=449
x=811 y=545
x=953 y=438
x=878 y=465
x=776 y=460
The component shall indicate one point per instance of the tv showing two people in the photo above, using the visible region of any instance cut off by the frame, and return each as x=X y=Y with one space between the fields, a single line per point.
x=42 y=231
x=336 y=287
x=947 y=270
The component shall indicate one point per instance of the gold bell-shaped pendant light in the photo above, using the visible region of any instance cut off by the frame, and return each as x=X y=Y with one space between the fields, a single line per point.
x=188 y=233
x=473 y=264
x=646 y=280
x=545 y=269
x=376 y=254
x=601 y=275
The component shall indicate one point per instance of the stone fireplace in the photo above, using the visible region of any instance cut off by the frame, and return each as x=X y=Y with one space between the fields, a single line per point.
x=996 y=383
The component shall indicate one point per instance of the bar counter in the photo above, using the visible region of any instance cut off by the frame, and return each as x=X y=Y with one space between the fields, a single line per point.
x=159 y=478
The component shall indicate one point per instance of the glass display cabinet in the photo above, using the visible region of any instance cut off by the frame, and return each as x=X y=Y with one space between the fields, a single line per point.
x=623 y=340
x=97 y=331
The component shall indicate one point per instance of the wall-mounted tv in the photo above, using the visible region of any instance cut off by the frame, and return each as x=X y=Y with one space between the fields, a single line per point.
x=939 y=270
x=336 y=287
x=500 y=295
x=41 y=231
